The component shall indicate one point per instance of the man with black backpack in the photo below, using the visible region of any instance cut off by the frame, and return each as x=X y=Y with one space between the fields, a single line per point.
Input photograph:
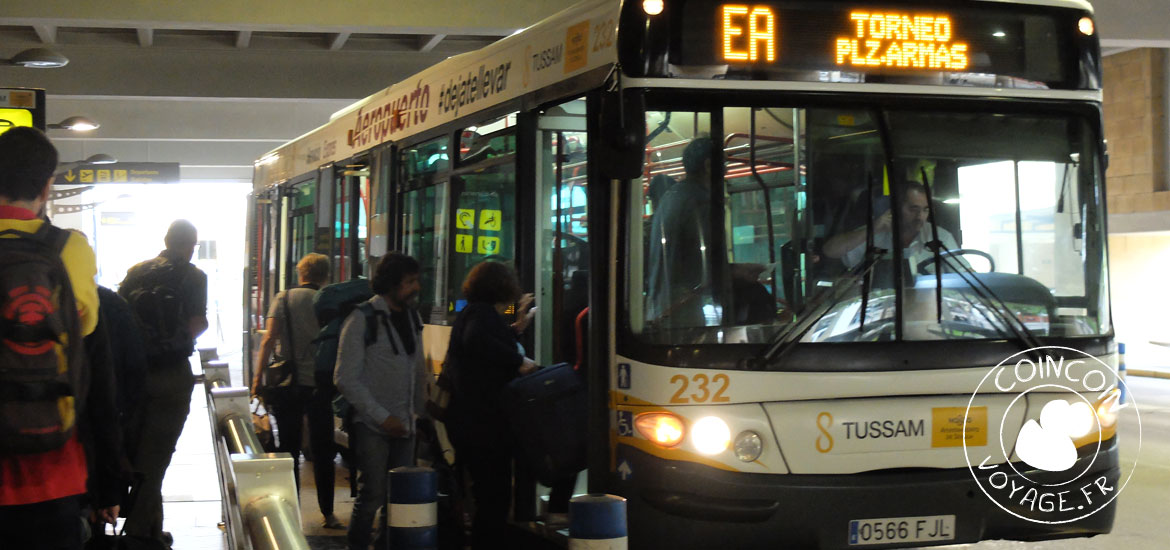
x=168 y=297
x=51 y=401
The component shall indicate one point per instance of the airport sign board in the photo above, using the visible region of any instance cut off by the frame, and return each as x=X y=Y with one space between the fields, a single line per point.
x=120 y=172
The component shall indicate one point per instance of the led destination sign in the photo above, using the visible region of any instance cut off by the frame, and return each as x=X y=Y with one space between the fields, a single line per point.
x=1030 y=46
x=902 y=40
x=881 y=39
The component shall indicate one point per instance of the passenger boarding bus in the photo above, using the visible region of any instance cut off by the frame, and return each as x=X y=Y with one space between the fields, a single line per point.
x=704 y=195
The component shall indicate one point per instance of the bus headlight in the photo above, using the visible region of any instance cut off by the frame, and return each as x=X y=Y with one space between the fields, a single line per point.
x=711 y=435
x=748 y=446
x=662 y=428
x=1108 y=408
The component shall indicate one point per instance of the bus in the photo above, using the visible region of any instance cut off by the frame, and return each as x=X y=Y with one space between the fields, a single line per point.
x=703 y=196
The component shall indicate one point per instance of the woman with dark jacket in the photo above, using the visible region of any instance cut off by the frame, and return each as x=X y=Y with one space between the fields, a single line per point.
x=485 y=356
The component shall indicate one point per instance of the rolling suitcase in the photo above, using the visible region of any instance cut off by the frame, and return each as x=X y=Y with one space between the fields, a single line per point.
x=547 y=414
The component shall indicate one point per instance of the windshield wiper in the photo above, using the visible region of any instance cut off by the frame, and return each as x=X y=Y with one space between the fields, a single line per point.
x=787 y=338
x=934 y=245
x=988 y=298
x=869 y=247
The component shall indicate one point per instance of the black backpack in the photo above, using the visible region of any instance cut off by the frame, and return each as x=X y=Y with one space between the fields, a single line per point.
x=42 y=354
x=156 y=300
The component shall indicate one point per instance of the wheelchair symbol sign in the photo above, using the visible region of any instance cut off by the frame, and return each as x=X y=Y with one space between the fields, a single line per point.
x=625 y=423
x=490 y=220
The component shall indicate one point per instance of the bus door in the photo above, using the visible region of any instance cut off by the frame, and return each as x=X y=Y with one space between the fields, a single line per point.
x=300 y=227
x=423 y=222
x=483 y=202
x=562 y=254
x=263 y=266
x=350 y=209
x=379 y=202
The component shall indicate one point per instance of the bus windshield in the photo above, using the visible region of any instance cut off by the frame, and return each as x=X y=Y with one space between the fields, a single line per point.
x=753 y=221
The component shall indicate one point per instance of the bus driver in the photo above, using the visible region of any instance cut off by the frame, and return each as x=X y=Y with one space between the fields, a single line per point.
x=914 y=209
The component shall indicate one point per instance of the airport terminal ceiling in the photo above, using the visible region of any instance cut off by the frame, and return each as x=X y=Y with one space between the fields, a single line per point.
x=215 y=84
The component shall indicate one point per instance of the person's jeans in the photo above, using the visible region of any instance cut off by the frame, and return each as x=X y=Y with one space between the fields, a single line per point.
x=317 y=403
x=376 y=454
x=164 y=411
x=50 y=525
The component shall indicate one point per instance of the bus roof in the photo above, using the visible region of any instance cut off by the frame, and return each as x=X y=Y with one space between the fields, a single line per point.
x=575 y=41
x=560 y=47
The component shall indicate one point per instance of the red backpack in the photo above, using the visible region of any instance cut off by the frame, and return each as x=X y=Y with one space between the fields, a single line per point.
x=42 y=355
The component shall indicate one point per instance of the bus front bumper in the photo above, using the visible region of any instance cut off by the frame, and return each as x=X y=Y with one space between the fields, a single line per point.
x=686 y=505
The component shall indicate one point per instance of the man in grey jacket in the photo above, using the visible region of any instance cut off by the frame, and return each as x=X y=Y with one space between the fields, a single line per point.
x=380 y=371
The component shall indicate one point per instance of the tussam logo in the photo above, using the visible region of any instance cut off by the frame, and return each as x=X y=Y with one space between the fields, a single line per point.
x=1065 y=466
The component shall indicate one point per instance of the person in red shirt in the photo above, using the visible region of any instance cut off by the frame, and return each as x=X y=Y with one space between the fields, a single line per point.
x=41 y=494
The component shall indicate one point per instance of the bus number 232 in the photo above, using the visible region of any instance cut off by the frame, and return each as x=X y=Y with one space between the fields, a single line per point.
x=703 y=386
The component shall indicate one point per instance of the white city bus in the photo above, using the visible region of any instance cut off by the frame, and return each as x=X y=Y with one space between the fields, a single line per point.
x=702 y=196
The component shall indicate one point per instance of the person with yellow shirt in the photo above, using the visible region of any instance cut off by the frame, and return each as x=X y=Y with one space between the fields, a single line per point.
x=41 y=493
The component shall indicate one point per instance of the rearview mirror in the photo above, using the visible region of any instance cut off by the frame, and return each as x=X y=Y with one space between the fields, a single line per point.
x=623 y=133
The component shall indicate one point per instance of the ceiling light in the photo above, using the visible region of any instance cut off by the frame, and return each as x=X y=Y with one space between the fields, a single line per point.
x=100 y=158
x=37 y=58
x=76 y=124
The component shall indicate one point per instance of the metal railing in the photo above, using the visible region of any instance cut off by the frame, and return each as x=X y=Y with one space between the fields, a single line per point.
x=257 y=489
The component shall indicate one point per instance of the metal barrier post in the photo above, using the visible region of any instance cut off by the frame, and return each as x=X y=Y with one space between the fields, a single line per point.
x=216 y=374
x=266 y=491
x=597 y=522
x=413 y=513
x=258 y=490
x=235 y=420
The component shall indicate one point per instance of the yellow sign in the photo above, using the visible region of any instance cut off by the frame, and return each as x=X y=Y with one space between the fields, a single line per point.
x=103 y=176
x=120 y=175
x=902 y=40
x=463 y=244
x=11 y=118
x=749 y=34
x=947 y=426
x=489 y=220
x=576 y=46
x=465 y=218
x=488 y=245
x=86 y=176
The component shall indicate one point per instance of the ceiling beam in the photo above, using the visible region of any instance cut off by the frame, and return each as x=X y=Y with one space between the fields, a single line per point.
x=145 y=37
x=47 y=33
x=226 y=72
x=490 y=16
x=243 y=38
x=337 y=40
x=428 y=43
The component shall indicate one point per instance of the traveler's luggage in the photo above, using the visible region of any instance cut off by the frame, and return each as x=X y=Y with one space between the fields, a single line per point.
x=156 y=300
x=42 y=357
x=331 y=306
x=547 y=413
